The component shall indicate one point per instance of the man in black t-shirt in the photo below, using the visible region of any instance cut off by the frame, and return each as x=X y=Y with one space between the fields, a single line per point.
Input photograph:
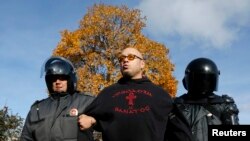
x=134 y=109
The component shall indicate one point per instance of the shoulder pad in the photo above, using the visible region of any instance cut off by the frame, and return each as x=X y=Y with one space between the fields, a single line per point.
x=180 y=99
x=37 y=102
x=87 y=94
x=227 y=99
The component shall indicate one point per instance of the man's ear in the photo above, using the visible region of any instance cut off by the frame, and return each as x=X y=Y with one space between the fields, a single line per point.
x=142 y=64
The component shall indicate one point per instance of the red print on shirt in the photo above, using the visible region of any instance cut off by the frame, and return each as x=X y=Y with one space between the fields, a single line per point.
x=131 y=96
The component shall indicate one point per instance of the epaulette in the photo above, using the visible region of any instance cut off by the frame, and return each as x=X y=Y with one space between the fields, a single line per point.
x=87 y=94
x=37 y=102
x=227 y=99
x=178 y=100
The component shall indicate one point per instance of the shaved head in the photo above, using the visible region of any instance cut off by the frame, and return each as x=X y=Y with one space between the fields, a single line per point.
x=133 y=51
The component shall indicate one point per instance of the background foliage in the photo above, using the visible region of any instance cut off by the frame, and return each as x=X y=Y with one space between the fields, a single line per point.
x=103 y=32
x=10 y=125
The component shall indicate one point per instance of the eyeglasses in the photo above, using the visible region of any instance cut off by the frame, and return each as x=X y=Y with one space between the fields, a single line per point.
x=130 y=57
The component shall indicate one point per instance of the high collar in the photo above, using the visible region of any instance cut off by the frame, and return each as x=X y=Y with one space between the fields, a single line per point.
x=58 y=95
x=193 y=95
x=125 y=80
x=204 y=99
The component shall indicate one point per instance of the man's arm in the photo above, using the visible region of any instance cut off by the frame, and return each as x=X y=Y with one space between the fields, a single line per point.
x=86 y=122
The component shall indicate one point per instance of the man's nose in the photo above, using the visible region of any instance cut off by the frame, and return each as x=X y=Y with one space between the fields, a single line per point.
x=58 y=80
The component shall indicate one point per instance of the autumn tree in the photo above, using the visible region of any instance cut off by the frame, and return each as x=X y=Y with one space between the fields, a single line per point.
x=10 y=125
x=103 y=32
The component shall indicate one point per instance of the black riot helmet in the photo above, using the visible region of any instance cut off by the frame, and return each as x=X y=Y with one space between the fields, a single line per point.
x=59 y=66
x=201 y=77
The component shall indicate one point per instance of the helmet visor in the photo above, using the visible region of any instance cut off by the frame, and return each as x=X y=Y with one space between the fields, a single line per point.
x=56 y=69
x=201 y=82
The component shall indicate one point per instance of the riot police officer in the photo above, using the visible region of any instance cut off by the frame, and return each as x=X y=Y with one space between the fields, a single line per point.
x=55 y=117
x=201 y=106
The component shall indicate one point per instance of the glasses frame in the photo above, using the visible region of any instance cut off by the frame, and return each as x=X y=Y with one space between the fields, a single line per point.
x=130 y=57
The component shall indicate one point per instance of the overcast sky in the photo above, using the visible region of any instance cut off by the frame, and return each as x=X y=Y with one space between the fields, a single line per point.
x=216 y=29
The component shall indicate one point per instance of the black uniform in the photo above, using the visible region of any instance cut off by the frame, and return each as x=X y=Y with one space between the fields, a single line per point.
x=135 y=110
x=211 y=110
x=200 y=105
x=55 y=118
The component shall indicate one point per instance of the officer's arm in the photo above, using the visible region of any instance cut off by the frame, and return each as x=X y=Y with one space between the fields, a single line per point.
x=230 y=114
x=26 y=132
x=178 y=128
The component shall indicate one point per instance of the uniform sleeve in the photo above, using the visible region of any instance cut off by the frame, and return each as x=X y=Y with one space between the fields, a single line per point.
x=92 y=109
x=230 y=113
x=178 y=128
x=26 y=132
x=99 y=110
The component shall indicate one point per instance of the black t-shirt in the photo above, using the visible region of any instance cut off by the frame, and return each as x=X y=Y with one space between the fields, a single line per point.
x=132 y=110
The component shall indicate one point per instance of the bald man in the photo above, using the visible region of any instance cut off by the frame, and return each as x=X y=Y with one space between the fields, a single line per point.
x=133 y=109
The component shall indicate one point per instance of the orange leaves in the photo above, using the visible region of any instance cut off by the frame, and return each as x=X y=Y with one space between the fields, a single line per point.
x=158 y=66
x=103 y=32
